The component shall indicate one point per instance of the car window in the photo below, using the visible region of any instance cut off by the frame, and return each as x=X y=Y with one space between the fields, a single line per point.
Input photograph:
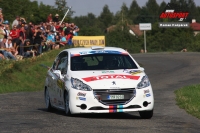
x=102 y=62
x=62 y=62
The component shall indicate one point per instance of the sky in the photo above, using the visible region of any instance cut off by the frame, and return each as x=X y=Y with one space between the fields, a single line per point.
x=83 y=7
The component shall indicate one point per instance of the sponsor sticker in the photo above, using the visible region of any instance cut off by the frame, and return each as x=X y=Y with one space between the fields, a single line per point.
x=132 y=72
x=146 y=91
x=108 y=72
x=148 y=95
x=82 y=98
x=81 y=94
x=117 y=76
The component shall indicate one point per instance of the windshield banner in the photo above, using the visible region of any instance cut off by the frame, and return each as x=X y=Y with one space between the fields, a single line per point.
x=88 y=41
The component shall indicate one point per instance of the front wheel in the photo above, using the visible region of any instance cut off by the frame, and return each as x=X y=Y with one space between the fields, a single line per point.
x=67 y=109
x=47 y=100
x=146 y=114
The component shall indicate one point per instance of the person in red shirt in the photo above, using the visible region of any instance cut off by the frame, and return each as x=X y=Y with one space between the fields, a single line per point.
x=69 y=37
x=14 y=32
x=49 y=18
x=15 y=35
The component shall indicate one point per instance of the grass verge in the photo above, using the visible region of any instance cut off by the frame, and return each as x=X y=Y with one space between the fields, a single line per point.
x=188 y=98
x=25 y=75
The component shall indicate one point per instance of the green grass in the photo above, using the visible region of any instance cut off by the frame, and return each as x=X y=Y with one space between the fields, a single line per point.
x=25 y=75
x=188 y=98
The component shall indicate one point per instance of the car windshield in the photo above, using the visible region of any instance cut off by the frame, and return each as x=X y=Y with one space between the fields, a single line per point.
x=102 y=62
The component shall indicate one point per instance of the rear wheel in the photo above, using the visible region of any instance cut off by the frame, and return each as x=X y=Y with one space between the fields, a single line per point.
x=146 y=114
x=67 y=109
x=47 y=100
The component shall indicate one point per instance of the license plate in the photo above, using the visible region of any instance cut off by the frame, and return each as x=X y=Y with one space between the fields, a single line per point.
x=111 y=97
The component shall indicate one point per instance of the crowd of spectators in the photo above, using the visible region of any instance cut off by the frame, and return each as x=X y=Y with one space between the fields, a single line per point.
x=21 y=39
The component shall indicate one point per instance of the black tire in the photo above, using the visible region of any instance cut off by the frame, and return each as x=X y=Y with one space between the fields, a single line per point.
x=47 y=100
x=146 y=114
x=67 y=108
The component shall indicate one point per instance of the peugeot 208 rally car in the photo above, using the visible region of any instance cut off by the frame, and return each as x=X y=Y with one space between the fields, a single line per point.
x=98 y=80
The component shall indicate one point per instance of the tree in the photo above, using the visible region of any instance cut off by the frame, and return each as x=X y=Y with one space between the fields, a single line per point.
x=106 y=17
x=61 y=6
x=125 y=19
x=152 y=7
x=144 y=16
x=161 y=9
x=134 y=11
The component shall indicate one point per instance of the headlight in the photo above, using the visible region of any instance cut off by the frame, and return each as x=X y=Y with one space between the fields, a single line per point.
x=144 y=82
x=79 y=85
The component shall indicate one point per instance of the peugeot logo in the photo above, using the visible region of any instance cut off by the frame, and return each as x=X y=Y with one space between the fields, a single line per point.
x=113 y=83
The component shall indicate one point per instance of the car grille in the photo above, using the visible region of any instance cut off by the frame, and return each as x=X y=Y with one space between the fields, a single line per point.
x=102 y=94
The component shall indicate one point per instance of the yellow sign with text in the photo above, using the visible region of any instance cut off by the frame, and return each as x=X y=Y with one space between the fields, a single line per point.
x=88 y=41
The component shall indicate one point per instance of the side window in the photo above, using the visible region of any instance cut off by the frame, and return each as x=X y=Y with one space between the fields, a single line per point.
x=62 y=63
x=55 y=63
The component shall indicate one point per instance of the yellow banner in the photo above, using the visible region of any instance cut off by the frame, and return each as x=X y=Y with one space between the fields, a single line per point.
x=88 y=41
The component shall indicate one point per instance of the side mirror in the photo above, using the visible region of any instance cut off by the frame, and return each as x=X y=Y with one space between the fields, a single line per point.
x=141 y=69
x=57 y=73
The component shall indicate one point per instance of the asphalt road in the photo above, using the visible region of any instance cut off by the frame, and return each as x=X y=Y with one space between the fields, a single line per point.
x=26 y=112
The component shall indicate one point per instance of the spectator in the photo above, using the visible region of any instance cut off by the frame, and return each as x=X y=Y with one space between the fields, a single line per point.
x=75 y=31
x=57 y=26
x=63 y=41
x=14 y=34
x=60 y=29
x=48 y=28
x=2 y=32
x=7 y=29
x=51 y=40
x=38 y=37
x=69 y=37
x=16 y=21
x=29 y=33
x=57 y=42
x=56 y=18
x=49 y=18
x=10 y=46
x=1 y=18
x=184 y=50
x=53 y=28
x=22 y=37
x=66 y=29
x=28 y=50
x=6 y=52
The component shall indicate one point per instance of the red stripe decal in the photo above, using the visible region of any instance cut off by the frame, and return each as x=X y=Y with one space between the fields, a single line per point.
x=118 y=76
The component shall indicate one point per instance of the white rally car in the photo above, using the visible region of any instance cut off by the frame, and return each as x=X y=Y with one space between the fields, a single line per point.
x=98 y=80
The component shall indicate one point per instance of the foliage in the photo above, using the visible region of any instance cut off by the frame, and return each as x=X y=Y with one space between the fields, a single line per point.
x=188 y=98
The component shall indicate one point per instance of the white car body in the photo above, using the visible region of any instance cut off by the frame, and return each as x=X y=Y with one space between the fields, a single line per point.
x=98 y=91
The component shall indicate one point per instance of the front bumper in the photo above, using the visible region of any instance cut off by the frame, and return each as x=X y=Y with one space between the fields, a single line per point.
x=86 y=102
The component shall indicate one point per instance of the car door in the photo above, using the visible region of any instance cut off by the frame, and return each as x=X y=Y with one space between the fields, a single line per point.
x=52 y=81
x=60 y=82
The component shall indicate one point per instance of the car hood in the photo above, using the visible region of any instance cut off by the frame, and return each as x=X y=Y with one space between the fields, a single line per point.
x=110 y=79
